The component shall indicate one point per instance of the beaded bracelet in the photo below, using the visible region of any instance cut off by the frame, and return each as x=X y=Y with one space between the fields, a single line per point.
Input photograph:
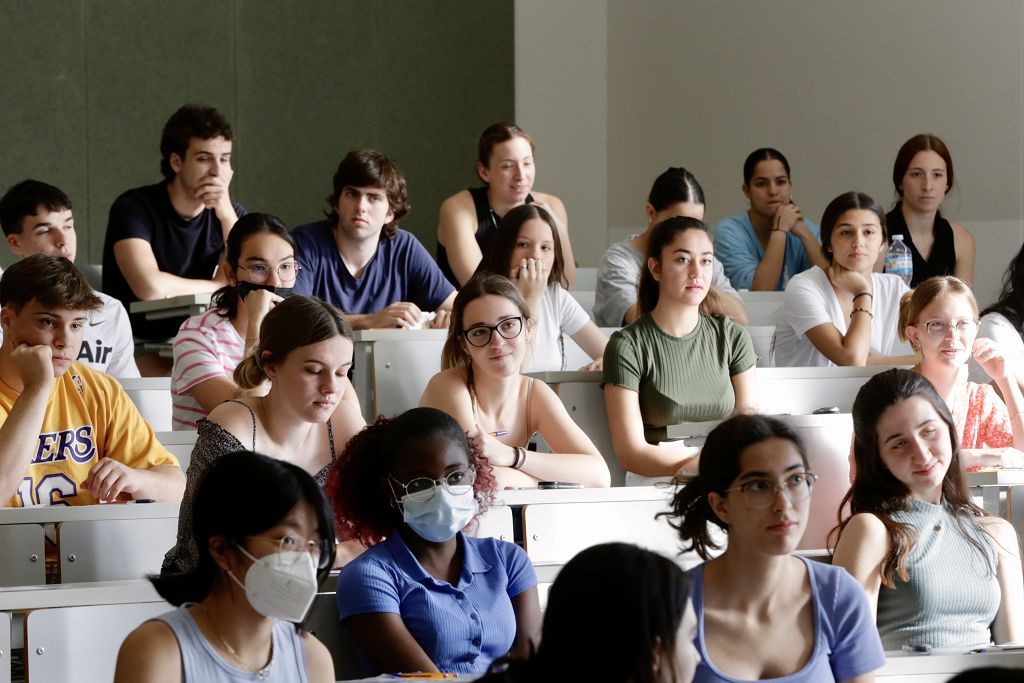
x=861 y=310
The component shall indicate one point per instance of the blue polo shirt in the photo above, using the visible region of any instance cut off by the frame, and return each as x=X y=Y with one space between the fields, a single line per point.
x=462 y=628
x=737 y=247
x=401 y=270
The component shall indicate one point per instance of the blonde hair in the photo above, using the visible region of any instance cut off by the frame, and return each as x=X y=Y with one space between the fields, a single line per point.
x=916 y=300
x=296 y=321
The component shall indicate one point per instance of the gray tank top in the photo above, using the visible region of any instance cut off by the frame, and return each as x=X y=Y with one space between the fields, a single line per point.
x=953 y=595
x=201 y=663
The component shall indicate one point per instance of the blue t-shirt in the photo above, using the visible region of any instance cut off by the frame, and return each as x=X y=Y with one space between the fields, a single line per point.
x=401 y=270
x=846 y=642
x=462 y=628
x=737 y=247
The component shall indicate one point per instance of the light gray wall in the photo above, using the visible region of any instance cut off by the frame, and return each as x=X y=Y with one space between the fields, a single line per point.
x=836 y=86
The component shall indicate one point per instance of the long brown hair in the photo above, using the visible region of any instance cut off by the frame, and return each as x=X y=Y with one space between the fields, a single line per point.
x=877 y=491
x=498 y=257
x=662 y=235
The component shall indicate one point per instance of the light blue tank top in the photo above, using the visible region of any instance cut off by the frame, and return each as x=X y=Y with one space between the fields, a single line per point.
x=952 y=594
x=201 y=663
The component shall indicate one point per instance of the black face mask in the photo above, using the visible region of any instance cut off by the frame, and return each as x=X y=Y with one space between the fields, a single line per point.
x=243 y=289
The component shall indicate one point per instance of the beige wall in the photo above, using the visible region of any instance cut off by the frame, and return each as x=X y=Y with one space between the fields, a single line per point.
x=836 y=86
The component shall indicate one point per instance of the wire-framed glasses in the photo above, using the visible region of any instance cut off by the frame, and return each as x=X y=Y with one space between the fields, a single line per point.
x=480 y=335
x=260 y=272
x=422 y=489
x=938 y=329
x=762 y=492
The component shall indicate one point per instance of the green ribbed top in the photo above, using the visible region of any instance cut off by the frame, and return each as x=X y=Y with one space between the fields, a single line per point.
x=679 y=379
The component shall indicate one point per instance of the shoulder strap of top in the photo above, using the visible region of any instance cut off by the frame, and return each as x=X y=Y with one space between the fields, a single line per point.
x=944 y=249
x=484 y=218
x=330 y=438
x=252 y=414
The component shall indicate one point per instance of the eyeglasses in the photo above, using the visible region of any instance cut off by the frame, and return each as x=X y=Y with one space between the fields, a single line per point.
x=762 y=492
x=480 y=335
x=296 y=544
x=422 y=489
x=938 y=329
x=260 y=273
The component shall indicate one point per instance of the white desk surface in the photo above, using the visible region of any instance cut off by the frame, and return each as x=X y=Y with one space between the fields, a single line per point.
x=595 y=495
x=946 y=661
x=52 y=514
x=396 y=334
x=560 y=377
x=172 y=303
x=687 y=429
x=77 y=594
x=996 y=478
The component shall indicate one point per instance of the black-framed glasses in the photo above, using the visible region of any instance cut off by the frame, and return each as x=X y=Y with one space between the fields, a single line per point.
x=422 y=489
x=260 y=272
x=480 y=335
x=938 y=329
x=762 y=492
x=296 y=544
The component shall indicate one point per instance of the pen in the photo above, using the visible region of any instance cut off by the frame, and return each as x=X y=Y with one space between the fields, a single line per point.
x=500 y=432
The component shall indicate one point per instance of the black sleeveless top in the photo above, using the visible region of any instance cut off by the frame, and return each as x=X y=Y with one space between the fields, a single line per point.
x=941 y=261
x=486 y=225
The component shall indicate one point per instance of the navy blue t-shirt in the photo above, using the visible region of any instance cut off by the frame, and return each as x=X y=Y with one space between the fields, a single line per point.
x=186 y=248
x=401 y=270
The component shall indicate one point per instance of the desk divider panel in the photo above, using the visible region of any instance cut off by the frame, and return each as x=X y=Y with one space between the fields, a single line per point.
x=114 y=549
x=152 y=396
x=5 y=647
x=23 y=555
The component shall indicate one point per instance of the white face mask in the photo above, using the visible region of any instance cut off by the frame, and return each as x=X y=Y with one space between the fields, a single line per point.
x=441 y=517
x=280 y=585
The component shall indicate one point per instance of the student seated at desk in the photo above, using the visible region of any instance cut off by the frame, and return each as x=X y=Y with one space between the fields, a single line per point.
x=844 y=314
x=643 y=627
x=527 y=249
x=469 y=219
x=937 y=569
x=260 y=265
x=675 y=192
x=36 y=218
x=361 y=261
x=763 y=613
x=1003 y=322
x=69 y=435
x=425 y=596
x=307 y=416
x=940 y=320
x=258 y=569
x=675 y=364
x=482 y=387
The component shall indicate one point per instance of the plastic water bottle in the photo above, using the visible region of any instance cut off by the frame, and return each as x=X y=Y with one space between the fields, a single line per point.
x=899 y=260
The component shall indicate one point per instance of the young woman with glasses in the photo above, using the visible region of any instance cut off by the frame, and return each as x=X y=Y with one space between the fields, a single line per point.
x=940 y=320
x=308 y=413
x=482 y=387
x=937 y=570
x=257 y=573
x=761 y=611
x=675 y=363
x=527 y=249
x=426 y=597
x=260 y=266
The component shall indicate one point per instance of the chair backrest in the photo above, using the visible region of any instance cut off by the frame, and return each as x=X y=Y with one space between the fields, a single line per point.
x=180 y=443
x=81 y=643
x=323 y=622
x=23 y=559
x=114 y=549
x=801 y=391
x=762 y=307
x=391 y=371
x=152 y=396
x=762 y=337
x=495 y=523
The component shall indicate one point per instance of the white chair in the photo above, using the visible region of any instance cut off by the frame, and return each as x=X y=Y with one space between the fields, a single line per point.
x=81 y=643
x=152 y=396
x=114 y=549
x=801 y=391
x=762 y=307
x=495 y=523
x=586 y=279
x=762 y=336
x=23 y=559
x=392 y=368
x=180 y=443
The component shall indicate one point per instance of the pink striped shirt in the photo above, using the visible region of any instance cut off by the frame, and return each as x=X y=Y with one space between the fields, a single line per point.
x=207 y=346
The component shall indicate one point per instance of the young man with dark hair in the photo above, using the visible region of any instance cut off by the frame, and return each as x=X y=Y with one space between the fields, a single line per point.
x=69 y=435
x=361 y=261
x=166 y=239
x=36 y=218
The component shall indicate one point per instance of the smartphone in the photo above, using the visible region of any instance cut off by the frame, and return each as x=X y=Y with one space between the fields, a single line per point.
x=542 y=485
x=828 y=410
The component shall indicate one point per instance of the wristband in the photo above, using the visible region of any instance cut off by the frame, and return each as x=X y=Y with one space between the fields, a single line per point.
x=861 y=310
x=860 y=294
x=520 y=457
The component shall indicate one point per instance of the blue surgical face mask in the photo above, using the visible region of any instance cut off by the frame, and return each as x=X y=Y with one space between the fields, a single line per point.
x=243 y=289
x=441 y=517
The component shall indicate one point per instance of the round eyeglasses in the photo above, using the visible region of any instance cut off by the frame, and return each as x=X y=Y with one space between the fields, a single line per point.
x=296 y=544
x=939 y=329
x=480 y=335
x=422 y=489
x=260 y=272
x=762 y=492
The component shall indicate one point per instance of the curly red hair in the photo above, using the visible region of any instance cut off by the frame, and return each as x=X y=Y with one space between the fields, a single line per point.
x=363 y=510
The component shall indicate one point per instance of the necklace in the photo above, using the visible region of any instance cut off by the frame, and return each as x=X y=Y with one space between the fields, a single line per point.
x=261 y=672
